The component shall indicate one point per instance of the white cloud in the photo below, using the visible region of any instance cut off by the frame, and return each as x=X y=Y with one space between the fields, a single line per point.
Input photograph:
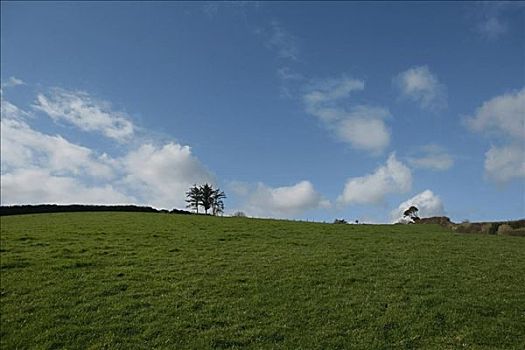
x=11 y=82
x=162 y=175
x=361 y=126
x=420 y=85
x=9 y=110
x=86 y=113
x=503 y=117
x=39 y=186
x=331 y=90
x=42 y=168
x=502 y=164
x=265 y=201
x=505 y=114
x=427 y=202
x=283 y=42
x=364 y=129
x=432 y=157
x=23 y=147
x=393 y=177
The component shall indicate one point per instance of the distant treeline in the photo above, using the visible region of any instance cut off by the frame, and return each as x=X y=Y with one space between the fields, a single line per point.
x=54 y=208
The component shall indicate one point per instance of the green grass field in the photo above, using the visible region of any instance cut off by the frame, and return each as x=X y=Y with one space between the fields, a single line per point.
x=135 y=280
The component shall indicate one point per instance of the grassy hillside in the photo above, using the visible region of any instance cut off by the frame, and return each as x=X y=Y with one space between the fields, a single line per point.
x=140 y=280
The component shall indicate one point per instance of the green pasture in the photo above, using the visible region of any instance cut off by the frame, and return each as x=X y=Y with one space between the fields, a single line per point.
x=165 y=281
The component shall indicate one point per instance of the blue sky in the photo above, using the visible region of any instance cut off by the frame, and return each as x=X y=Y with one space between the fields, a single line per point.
x=297 y=110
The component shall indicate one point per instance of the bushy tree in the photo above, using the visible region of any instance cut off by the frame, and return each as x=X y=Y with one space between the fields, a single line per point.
x=193 y=198
x=411 y=213
x=218 y=203
x=207 y=197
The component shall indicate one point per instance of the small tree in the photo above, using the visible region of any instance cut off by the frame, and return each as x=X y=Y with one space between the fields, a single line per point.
x=207 y=194
x=218 y=203
x=207 y=197
x=411 y=213
x=193 y=198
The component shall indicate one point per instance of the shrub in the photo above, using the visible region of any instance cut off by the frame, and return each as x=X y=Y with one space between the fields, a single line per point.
x=239 y=214
x=505 y=229
x=340 y=221
x=485 y=228
x=494 y=228
x=518 y=224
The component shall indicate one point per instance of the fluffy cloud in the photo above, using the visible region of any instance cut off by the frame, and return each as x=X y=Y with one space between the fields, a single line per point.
x=23 y=147
x=504 y=114
x=162 y=175
x=265 y=201
x=38 y=185
x=10 y=111
x=427 y=202
x=503 y=118
x=432 y=157
x=362 y=127
x=85 y=112
x=42 y=168
x=393 y=177
x=420 y=85
x=502 y=164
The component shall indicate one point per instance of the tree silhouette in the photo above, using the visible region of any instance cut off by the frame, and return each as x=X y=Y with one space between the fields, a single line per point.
x=207 y=197
x=412 y=213
x=218 y=204
x=207 y=193
x=193 y=198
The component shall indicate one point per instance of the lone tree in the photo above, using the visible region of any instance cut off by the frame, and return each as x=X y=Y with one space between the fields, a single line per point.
x=193 y=198
x=207 y=197
x=411 y=213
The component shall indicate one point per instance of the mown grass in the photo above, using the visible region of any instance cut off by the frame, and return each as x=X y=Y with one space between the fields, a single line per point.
x=136 y=280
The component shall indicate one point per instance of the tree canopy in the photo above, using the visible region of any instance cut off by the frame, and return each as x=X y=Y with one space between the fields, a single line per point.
x=412 y=213
x=207 y=197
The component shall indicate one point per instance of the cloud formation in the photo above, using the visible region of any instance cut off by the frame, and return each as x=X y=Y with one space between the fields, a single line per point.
x=503 y=118
x=39 y=185
x=504 y=115
x=427 y=203
x=11 y=82
x=162 y=175
x=280 y=202
x=23 y=147
x=503 y=164
x=361 y=126
x=85 y=112
x=43 y=168
x=393 y=177
x=420 y=85
x=432 y=157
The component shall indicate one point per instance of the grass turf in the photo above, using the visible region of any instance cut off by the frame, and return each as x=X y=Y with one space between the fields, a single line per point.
x=136 y=280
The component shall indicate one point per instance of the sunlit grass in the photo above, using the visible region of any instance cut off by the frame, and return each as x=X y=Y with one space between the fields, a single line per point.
x=135 y=280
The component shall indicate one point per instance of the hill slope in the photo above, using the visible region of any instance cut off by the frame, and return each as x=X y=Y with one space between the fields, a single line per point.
x=141 y=280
